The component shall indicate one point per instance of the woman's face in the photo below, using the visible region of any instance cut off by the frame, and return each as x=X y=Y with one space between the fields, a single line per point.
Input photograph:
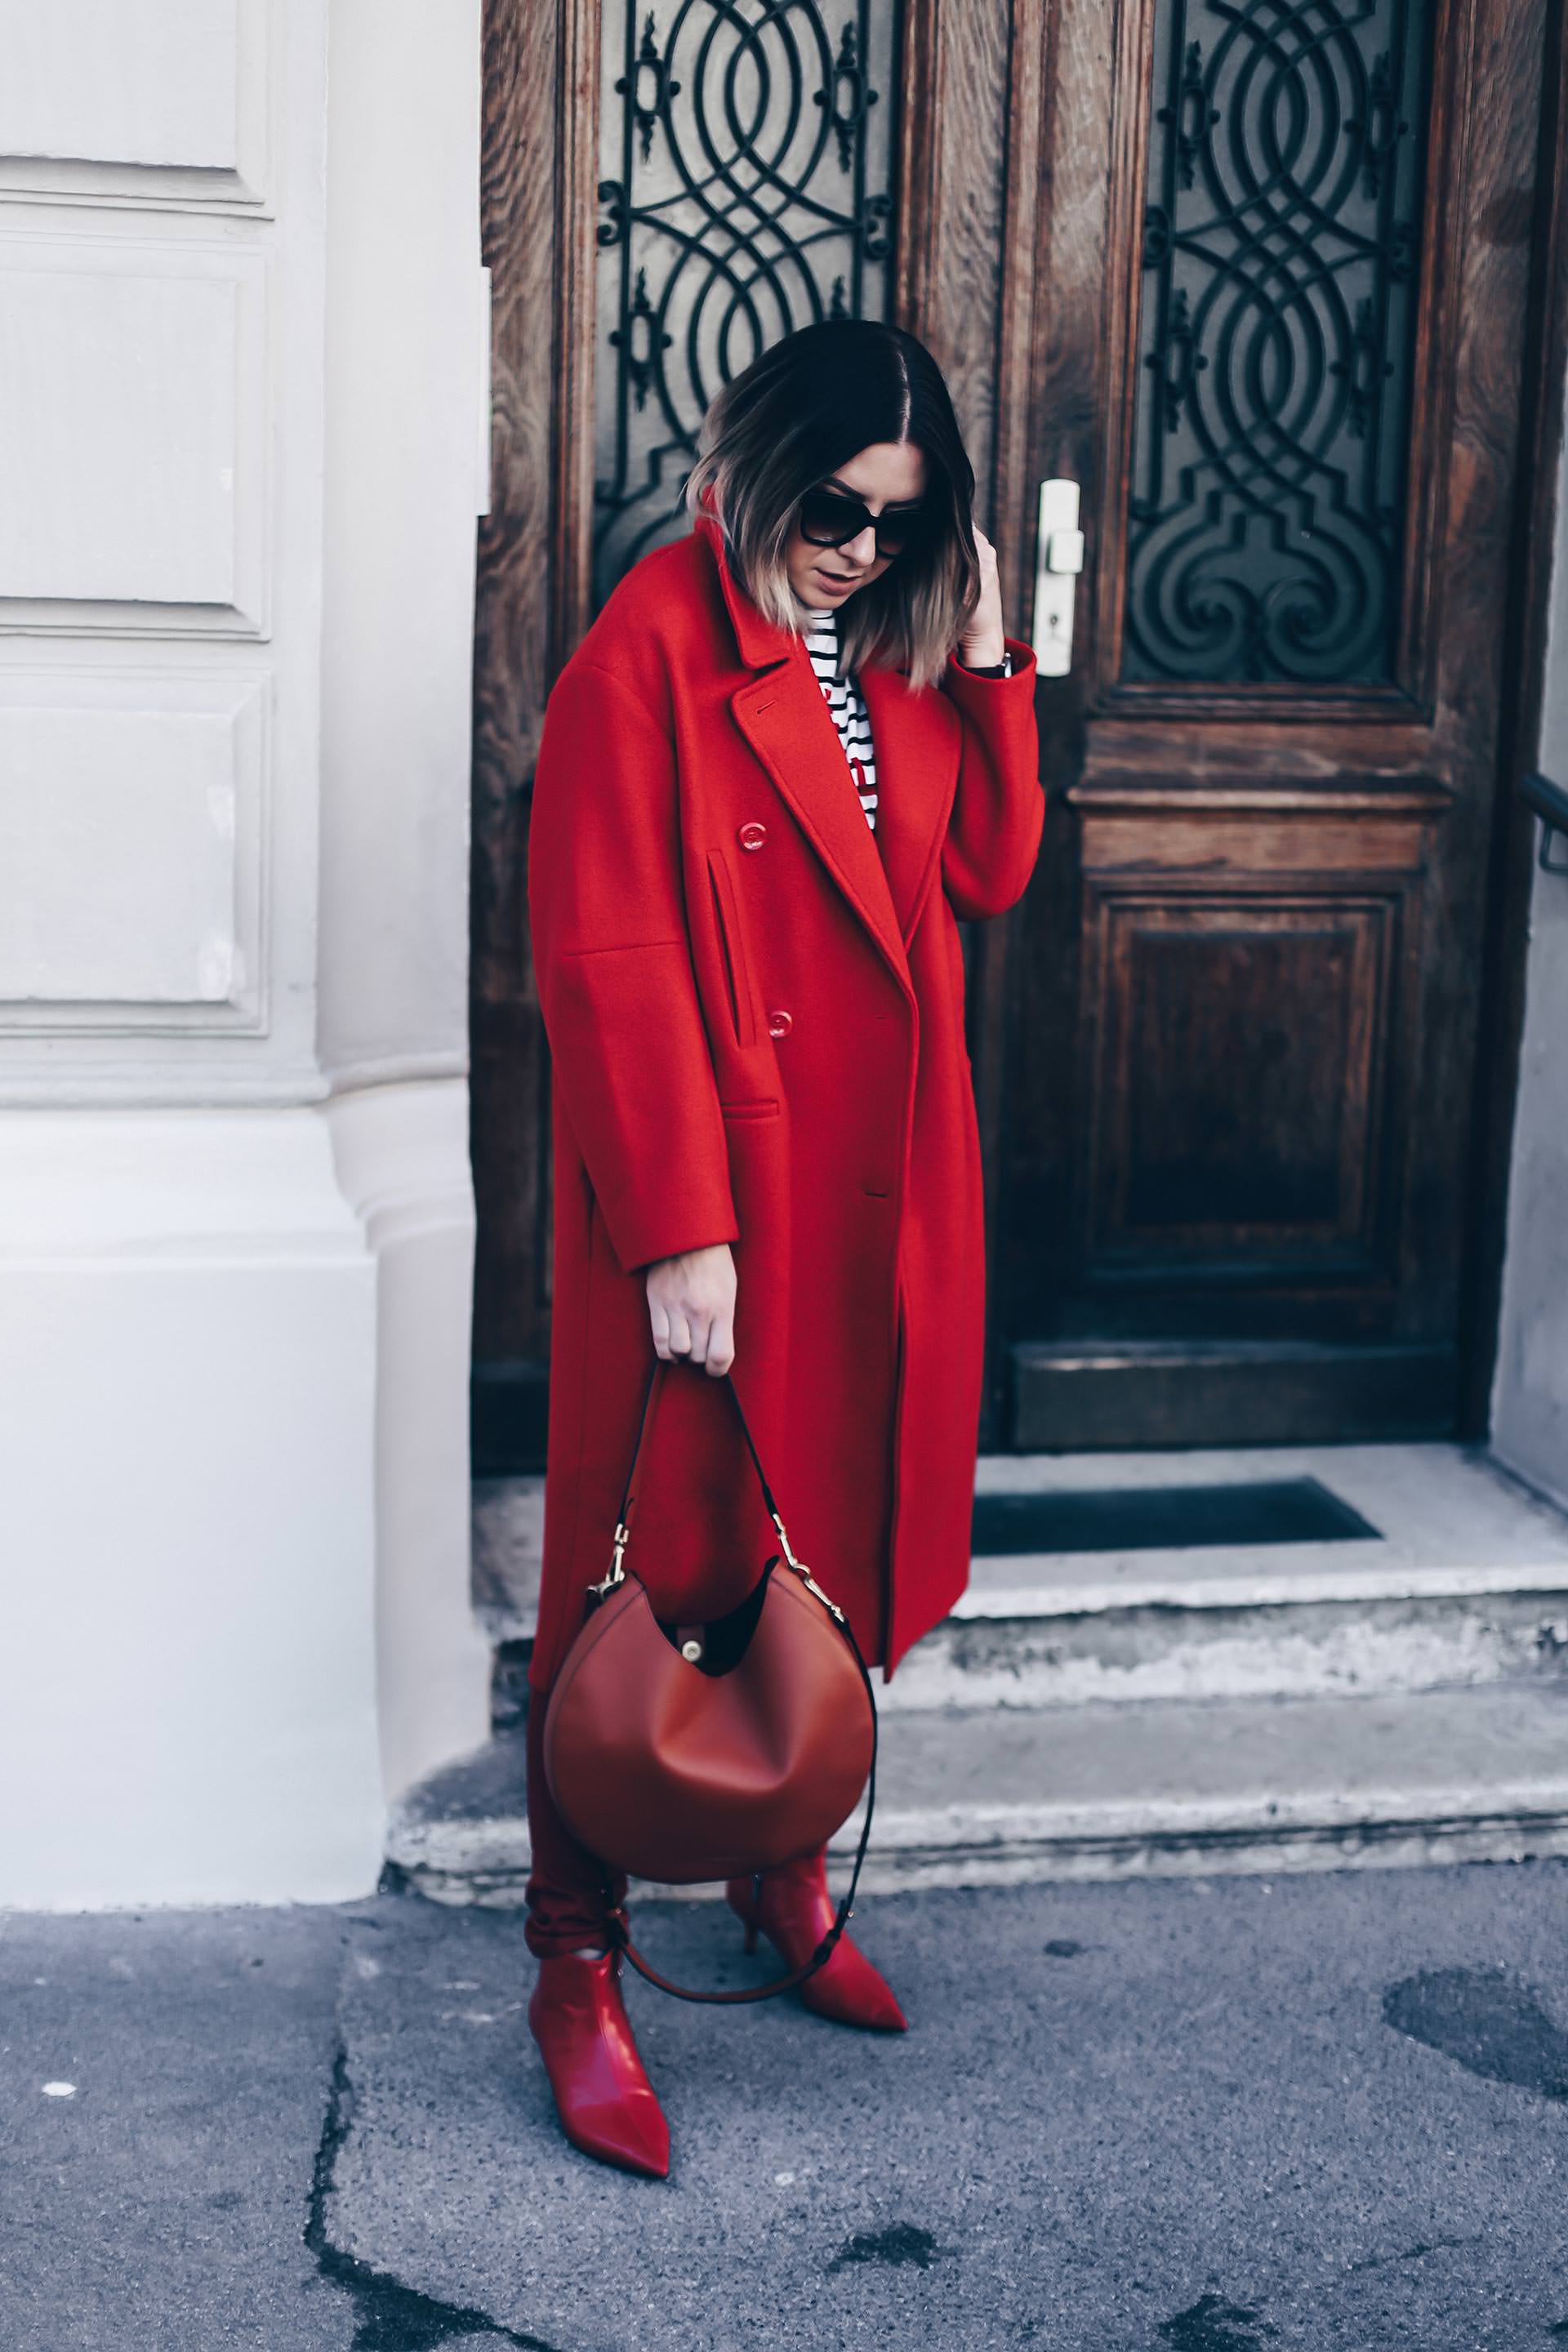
x=888 y=474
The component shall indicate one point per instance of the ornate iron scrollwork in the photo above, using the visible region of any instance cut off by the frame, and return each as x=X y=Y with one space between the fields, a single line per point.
x=747 y=152
x=1272 y=418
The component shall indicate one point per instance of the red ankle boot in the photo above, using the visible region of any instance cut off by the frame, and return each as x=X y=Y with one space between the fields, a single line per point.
x=607 y=2105
x=796 y=1911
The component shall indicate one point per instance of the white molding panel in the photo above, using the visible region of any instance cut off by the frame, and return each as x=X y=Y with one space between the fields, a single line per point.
x=188 y=1338
x=132 y=818
x=165 y=101
x=134 y=465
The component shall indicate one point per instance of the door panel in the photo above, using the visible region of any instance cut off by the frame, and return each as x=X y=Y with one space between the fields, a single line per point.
x=1249 y=977
x=666 y=191
x=1260 y=535
x=1281 y=357
x=746 y=167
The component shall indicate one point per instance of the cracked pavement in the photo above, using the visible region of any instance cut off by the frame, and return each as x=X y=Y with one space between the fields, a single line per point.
x=1326 y=2112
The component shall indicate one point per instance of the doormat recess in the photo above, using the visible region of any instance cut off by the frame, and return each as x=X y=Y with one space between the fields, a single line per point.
x=1167 y=1519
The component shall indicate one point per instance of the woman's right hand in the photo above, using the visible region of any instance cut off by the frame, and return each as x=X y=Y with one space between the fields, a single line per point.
x=691 y=1304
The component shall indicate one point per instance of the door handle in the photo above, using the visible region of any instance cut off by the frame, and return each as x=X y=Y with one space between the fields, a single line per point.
x=1550 y=802
x=1059 y=560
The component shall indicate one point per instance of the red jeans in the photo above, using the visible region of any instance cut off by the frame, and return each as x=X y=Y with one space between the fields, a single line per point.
x=567 y=1894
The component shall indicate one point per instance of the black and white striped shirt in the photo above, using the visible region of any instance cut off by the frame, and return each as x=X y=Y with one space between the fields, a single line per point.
x=844 y=701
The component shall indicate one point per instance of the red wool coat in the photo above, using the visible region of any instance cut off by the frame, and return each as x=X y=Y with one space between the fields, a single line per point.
x=755 y=1013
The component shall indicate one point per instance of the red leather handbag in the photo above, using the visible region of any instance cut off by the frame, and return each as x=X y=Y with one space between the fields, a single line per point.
x=690 y=1752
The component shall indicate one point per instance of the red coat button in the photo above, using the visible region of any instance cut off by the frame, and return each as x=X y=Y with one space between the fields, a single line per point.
x=752 y=835
x=779 y=1025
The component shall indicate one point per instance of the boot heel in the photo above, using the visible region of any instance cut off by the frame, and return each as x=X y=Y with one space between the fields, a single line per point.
x=744 y=1897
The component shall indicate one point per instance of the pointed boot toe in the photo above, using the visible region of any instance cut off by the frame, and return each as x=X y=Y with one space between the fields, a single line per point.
x=607 y=2106
x=792 y=1907
x=849 y=1988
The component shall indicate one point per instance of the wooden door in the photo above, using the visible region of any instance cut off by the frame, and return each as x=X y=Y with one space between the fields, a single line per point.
x=1256 y=275
x=1266 y=301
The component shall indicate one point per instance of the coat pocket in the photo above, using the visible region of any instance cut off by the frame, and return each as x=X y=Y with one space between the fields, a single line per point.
x=732 y=948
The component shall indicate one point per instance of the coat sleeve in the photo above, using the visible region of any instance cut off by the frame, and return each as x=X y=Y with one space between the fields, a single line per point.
x=998 y=808
x=611 y=959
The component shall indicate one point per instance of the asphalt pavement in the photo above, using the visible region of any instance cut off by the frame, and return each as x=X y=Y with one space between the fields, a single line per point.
x=1327 y=2112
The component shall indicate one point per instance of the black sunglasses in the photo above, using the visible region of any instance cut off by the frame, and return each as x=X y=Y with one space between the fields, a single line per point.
x=829 y=518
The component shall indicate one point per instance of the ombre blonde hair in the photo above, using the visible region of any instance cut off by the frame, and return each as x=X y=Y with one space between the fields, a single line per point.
x=803 y=408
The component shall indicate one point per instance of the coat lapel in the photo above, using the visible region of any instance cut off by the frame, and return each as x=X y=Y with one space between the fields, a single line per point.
x=784 y=716
x=916 y=747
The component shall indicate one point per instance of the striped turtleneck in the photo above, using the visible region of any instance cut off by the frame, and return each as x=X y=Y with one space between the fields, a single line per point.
x=843 y=697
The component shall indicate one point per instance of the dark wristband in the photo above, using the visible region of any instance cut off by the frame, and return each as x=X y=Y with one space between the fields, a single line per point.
x=988 y=669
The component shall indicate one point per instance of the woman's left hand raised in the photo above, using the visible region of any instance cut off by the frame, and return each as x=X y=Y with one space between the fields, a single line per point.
x=983 y=644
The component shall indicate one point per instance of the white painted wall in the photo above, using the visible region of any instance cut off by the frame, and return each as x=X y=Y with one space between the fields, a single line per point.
x=1529 y=1390
x=240 y=364
x=407 y=455
x=188 y=1359
x=407 y=460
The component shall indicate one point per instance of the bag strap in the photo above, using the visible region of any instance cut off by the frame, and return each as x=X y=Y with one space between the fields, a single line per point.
x=660 y=1364
x=617 y=1572
x=620 y=1930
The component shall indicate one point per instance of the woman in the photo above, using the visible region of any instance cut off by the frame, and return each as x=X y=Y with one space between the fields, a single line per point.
x=792 y=748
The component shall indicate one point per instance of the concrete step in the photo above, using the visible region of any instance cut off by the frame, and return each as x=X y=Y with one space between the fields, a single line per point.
x=1095 y=1654
x=985 y=1797
x=1461 y=1579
